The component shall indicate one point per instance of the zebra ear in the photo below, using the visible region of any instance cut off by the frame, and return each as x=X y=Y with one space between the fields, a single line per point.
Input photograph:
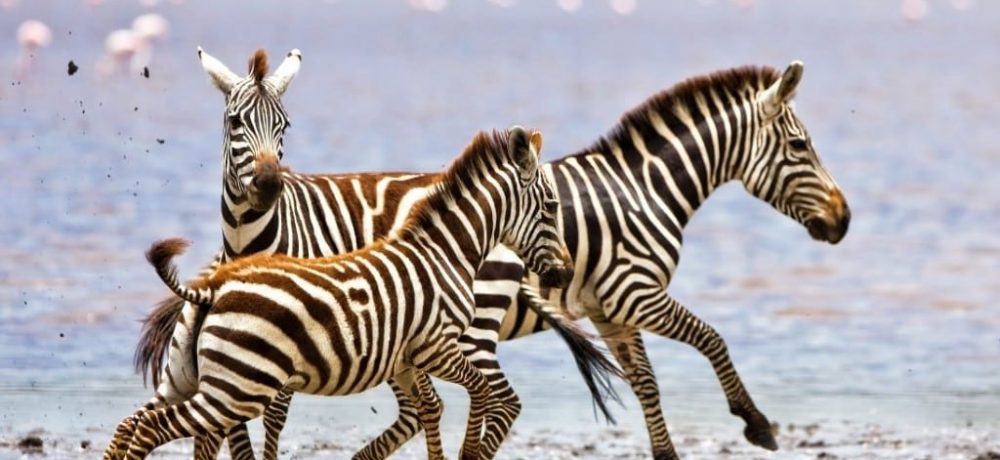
x=221 y=76
x=536 y=142
x=781 y=91
x=519 y=147
x=286 y=71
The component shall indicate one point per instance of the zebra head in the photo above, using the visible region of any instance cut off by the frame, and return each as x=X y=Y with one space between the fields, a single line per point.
x=534 y=234
x=255 y=124
x=784 y=169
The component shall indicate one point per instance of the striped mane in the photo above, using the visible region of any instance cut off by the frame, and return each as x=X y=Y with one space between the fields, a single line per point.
x=735 y=82
x=485 y=150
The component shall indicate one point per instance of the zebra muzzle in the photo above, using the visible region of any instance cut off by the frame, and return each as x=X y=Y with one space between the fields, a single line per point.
x=267 y=183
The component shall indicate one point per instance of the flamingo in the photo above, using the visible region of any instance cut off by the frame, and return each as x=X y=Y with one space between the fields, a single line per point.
x=119 y=47
x=149 y=29
x=32 y=35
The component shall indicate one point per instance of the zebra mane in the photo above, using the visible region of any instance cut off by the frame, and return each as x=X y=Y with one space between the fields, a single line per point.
x=258 y=65
x=737 y=82
x=485 y=150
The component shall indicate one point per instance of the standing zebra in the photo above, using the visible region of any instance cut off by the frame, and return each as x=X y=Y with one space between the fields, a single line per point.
x=268 y=210
x=625 y=202
x=343 y=324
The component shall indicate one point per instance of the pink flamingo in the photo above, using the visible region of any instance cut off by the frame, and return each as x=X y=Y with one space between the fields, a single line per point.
x=149 y=29
x=32 y=35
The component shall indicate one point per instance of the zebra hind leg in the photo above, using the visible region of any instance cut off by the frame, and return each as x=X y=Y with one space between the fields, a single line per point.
x=167 y=392
x=238 y=439
x=627 y=347
x=406 y=426
x=206 y=446
x=419 y=388
x=446 y=361
x=159 y=426
x=672 y=320
x=274 y=421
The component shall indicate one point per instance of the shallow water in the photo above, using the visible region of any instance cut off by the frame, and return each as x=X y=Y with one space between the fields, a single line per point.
x=898 y=325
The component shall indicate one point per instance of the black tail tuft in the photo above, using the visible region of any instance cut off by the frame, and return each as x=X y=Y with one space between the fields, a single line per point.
x=595 y=367
x=154 y=340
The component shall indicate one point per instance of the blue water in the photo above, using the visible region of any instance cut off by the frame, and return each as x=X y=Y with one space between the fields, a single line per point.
x=899 y=324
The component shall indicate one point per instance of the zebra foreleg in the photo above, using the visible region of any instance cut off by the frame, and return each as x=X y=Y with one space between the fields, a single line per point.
x=447 y=362
x=626 y=345
x=498 y=423
x=406 y=426
x=667 y=317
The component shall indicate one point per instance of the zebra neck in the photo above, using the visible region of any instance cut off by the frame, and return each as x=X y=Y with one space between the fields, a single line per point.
x=665 y=161
x=457 y=234
x=242 y=227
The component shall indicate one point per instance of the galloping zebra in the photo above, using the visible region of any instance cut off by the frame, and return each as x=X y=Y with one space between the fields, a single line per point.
x=625 y=202
x=268 y=210
x=343 y=324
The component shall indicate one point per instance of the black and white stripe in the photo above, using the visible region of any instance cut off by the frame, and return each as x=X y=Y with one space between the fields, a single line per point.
x=343 y=324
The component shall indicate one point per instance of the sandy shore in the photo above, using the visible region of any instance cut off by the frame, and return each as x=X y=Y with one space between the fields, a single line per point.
x=831 y=440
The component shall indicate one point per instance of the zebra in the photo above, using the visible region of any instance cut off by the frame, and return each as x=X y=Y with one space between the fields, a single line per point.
x=626 y=199
x=343 y=324
x=268 y=209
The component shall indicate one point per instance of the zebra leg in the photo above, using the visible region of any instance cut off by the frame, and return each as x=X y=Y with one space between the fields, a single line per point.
x=419 y=388
x=669 y=318
x=168 y=392
x=627 y=347
x=482 y=353
x=209 y=412
x=447 y=362
x=206 y=446
x=406 y=426
x=238 y=439
x=274 y=420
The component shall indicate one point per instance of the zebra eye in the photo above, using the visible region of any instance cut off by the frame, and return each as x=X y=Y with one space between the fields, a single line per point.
x=235 y=121
x=798 y=144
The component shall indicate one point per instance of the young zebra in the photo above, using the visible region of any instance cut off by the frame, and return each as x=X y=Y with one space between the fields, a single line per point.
x=269 y=210
x=343 y=324
x=625 y=202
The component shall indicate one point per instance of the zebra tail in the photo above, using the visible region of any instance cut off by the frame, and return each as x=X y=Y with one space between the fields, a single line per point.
x=154 y=340
x=161 y=255
x=595 y=367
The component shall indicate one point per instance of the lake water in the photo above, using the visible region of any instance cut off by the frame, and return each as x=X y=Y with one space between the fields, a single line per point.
x=898 y=326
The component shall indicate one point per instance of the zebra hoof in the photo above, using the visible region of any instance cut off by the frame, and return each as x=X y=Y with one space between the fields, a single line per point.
x=665 y=455
x=761 y=436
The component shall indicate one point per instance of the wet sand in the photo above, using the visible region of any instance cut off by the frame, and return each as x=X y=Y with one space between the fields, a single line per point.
x=822 y=440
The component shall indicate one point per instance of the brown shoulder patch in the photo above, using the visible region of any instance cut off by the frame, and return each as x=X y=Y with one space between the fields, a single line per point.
x=258 y=65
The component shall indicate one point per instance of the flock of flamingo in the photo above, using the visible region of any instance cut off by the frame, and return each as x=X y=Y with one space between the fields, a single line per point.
x=131 y=50
x=125 y=50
